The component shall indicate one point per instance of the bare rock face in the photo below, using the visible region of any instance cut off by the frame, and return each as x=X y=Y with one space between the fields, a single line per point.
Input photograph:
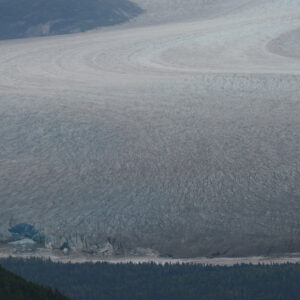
x=178 y=139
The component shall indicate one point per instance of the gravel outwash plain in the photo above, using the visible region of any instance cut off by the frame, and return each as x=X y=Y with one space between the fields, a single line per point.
x=175 y=134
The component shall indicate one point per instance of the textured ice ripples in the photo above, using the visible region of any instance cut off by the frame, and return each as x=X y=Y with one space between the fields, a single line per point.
x=182 y=136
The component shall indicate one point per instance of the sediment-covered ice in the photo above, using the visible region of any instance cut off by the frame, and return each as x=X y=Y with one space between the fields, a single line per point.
x=178 y=132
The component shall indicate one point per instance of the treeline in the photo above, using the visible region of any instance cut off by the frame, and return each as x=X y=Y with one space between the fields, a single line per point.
x=151 y=281
x=13 y=287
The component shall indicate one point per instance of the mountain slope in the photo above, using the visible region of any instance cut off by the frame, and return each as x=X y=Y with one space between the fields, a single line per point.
x=13 y=287
x=24 y=18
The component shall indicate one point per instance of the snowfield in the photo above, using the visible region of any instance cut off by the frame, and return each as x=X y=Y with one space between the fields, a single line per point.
x=175 y=134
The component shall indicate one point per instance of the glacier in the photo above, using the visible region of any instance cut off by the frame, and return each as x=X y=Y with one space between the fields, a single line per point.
x=175 y=134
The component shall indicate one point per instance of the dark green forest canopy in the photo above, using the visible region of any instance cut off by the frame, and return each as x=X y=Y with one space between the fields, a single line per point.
x=13 y=287
x=152 y=281
x=24 y=18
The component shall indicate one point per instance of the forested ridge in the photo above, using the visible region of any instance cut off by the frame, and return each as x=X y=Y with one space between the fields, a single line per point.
x=152 y=281
x=13 y=287
x=26 y=18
